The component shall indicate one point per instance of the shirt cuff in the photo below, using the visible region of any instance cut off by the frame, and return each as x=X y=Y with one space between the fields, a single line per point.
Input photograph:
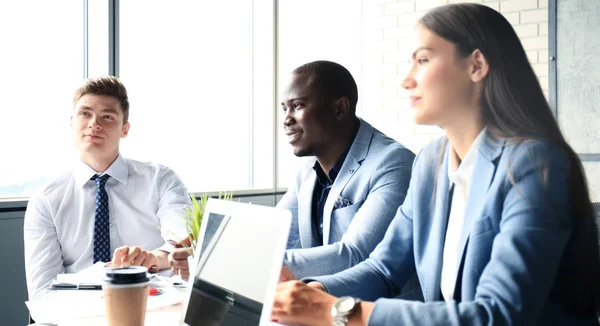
x=167 y=247
x=310 y=280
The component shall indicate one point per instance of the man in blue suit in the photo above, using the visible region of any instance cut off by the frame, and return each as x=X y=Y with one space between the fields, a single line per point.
x=351 y=177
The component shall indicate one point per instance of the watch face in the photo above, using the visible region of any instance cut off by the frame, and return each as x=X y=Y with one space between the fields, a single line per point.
x=345 y=304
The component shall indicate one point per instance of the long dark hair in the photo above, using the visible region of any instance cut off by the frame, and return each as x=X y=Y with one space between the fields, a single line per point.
x=513 y=106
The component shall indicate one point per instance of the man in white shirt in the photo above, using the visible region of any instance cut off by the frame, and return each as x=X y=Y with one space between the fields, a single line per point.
x=106 y=202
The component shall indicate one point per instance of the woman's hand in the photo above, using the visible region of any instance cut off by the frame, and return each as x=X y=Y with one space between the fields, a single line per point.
x=299 y=304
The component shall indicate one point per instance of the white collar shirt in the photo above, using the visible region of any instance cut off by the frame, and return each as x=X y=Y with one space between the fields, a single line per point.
x=146 y=207
x=460 y=175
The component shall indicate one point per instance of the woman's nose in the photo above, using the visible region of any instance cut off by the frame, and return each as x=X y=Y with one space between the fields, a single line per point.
x=409 y=82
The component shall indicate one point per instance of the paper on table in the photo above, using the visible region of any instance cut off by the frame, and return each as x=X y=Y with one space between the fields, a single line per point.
x=173 y=280
x=94 y=275
x=91 y=275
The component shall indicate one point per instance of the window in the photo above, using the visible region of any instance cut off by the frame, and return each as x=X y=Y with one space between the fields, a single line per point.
x=199 y=76
x=323 y=35
x=41 y=63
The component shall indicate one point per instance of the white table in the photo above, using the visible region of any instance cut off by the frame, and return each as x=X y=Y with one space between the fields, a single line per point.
x=65 y=306
x=94 y=309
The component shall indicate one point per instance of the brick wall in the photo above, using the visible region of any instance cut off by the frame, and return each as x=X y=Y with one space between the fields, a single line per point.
x=395 y=24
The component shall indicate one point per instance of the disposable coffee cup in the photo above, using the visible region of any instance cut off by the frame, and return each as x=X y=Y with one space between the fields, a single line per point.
x=125 y=295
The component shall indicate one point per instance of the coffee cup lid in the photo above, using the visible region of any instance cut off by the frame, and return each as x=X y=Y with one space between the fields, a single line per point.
x=127 y=275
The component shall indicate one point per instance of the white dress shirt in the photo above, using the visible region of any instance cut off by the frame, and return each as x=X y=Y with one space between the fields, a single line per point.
x=460 y=175
x=146 y=207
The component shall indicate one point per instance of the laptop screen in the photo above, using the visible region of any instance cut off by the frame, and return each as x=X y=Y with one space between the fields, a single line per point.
x=238 y=267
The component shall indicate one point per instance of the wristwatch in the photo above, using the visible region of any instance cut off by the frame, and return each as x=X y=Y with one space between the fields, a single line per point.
x=342 y=309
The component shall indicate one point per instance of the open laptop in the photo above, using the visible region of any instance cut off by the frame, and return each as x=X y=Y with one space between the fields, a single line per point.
x=233 y=279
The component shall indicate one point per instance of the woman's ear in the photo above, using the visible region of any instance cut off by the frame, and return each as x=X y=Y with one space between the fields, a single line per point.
x=479 y=66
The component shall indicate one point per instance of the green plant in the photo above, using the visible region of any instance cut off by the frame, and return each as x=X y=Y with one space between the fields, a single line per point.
x=193 y=217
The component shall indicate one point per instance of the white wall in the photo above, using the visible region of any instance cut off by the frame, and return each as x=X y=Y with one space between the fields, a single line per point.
x=395 y=21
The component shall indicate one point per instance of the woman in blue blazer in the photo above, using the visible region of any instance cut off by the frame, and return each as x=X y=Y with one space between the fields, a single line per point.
x=497 y=221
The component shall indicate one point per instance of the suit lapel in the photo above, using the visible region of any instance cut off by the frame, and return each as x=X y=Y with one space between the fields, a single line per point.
x=483 y=174
x=349 y=168
x=305 y=195
x=356 y=155
x=437 y=235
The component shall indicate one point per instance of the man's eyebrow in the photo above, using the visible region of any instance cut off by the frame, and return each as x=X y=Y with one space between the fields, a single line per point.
x=300 y=98
x=105 y=110
x=110 y=110
x=414 y=54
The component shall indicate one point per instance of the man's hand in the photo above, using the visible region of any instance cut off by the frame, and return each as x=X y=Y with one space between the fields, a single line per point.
x=135 y=256
x=298 y=303
x=178 y=260
x=286 y=275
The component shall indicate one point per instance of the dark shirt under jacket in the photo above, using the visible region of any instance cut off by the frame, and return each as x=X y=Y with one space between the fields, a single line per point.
x=321 y=191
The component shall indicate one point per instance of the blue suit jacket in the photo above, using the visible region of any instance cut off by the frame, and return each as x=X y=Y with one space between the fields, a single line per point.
x=511 y=244
x=372 y=183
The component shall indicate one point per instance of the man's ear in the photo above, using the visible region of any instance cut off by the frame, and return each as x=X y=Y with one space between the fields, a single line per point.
x=125 y=130
x=341 y=107
x=478 y=67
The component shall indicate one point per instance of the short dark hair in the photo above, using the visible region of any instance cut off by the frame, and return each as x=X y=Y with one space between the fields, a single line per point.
x=107 y=86
x=331 y=79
